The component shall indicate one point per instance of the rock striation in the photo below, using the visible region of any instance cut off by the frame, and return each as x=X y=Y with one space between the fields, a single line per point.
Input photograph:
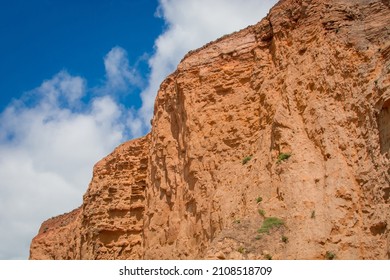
x=271 y=142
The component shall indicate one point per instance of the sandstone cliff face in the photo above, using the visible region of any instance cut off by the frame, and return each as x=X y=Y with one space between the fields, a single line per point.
x=109 y=224
x=289 y=118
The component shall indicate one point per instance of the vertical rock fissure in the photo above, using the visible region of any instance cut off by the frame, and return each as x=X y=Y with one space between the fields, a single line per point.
x=384 y=127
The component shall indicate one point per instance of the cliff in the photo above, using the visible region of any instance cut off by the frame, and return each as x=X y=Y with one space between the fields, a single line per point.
x=271 y=142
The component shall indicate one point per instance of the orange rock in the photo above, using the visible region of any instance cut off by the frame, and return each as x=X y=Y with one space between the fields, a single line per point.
x=303 y=96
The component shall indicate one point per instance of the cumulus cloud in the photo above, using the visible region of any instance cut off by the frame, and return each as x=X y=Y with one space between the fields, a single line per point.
x=120 y=76
x=49 y=142
x=62 y=88
x=189 y=25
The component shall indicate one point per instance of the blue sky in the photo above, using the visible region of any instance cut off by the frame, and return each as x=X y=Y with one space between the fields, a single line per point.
x=77 y=78
x=39 y=38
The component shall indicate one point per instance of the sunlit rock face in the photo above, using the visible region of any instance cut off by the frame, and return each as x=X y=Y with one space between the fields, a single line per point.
x=269 y=142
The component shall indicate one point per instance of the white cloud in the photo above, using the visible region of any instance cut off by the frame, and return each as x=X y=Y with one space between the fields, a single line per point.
x=134 y=124
x=120 y=76
x=49 y=143
x=61 y=88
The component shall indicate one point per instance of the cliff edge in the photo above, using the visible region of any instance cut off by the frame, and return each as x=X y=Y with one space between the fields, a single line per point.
x=271 y=142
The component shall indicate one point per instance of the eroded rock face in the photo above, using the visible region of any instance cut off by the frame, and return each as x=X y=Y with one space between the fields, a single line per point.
x=109 y=224
x=288 y=118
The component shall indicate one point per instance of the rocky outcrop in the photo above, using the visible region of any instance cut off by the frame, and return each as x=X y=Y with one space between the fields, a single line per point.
x=272 y=142
x=109 y=225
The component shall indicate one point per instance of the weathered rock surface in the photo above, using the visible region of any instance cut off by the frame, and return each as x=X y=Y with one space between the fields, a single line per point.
x=304 y=97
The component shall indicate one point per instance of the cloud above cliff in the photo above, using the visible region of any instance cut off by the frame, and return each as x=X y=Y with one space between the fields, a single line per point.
x=51 y=136
x=49 y=141
x=119 y=75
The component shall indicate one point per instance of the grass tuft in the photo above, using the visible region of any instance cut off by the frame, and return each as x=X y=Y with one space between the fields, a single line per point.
x=270 y=223
x=283 y=157
x=261 y=212
x=330 y=255
x=246 y=159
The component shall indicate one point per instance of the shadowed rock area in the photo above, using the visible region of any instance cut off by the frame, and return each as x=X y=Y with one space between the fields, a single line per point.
x=271 y=142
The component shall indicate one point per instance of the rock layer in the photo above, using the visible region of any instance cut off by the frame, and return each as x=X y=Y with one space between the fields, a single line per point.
x=288 y=118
